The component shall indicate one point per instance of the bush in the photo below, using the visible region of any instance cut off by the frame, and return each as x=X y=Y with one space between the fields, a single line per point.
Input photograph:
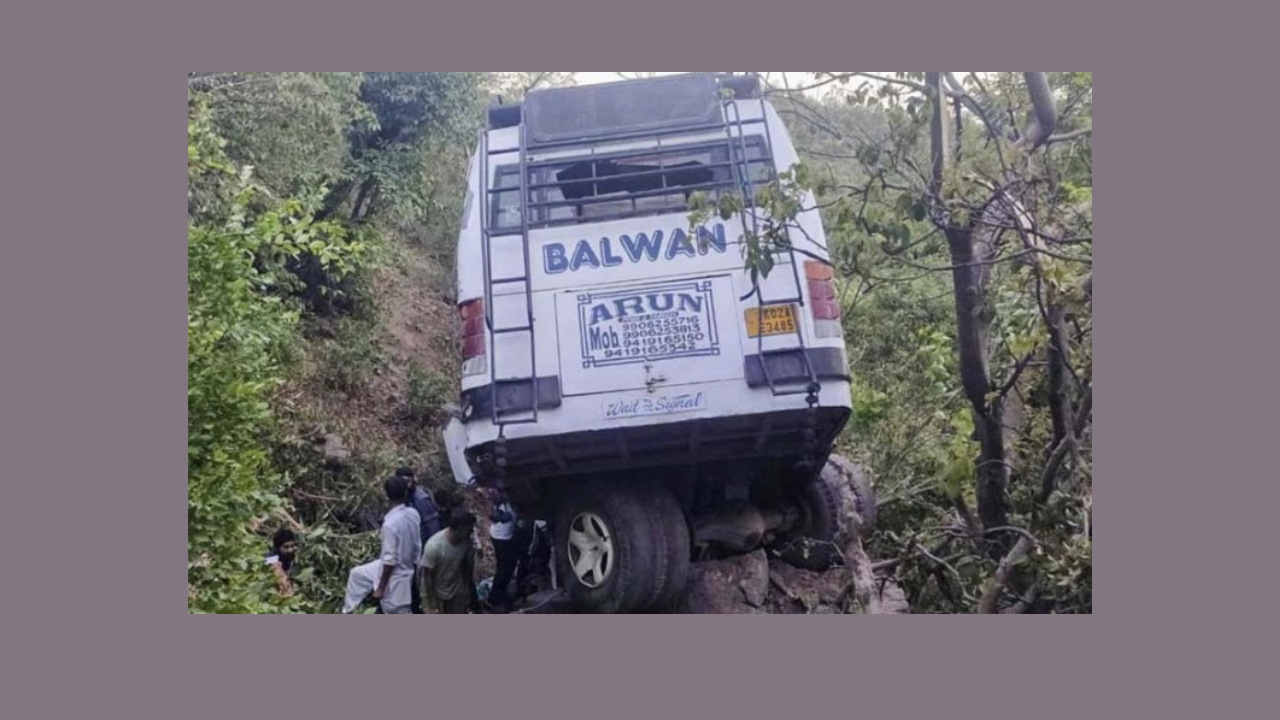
x=428 y=392
x=240 y=327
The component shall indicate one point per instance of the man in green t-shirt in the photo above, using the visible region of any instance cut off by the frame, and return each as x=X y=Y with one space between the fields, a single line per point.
x=446 y=569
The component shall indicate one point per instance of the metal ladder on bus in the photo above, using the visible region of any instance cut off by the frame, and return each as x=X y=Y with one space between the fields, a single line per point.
x=742 y=175
x=487 y=237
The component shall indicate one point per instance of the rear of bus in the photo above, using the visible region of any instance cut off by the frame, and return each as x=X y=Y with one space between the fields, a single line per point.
x=601 y=332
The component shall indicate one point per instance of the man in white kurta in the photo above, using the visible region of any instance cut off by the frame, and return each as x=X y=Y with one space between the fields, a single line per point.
x=390 y=577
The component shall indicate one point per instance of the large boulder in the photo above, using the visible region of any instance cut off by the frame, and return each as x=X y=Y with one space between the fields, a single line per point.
x=736 y=585
x=756 y=584
x=793 y=590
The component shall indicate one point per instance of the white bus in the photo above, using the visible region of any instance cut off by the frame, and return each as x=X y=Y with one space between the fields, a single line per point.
x=618 y=381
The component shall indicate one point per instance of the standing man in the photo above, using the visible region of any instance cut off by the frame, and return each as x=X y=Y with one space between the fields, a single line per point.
x=447 y=567
x=390 y=577
x=506 y=551
x=429 y=521
x=425 y=503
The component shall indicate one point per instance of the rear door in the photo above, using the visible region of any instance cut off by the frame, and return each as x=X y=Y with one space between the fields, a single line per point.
x=648 y=335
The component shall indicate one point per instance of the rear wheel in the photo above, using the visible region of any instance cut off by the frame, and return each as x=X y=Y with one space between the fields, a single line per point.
x=820 y=508
x=844 y=472
x=606 y=550
x=812 y=543
x=668 y=519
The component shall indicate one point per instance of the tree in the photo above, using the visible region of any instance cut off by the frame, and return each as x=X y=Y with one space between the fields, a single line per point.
x=987 y=181
x=513 y=86
x=291 y=128
x=240 y=325
x=409 y=113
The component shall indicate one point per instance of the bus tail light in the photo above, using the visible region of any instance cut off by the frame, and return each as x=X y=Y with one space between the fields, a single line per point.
x=822 y=299
x=473 y=337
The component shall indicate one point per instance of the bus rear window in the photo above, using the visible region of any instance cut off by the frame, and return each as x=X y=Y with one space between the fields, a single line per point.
x=608 y=187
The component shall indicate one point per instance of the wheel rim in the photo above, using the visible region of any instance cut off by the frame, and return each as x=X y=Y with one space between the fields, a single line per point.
x=590 y=549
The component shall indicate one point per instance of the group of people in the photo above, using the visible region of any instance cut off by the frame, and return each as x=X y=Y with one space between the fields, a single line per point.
x=428 y=558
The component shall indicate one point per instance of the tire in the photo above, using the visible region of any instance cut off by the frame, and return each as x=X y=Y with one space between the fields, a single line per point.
x=630 y=562
x=823 y=505
x=669 y=520
x=820 y=502
x=811 y=545
x=859 y=482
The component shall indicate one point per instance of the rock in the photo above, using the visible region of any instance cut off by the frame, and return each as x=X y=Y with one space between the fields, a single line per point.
x=547 y=602
x=806 y=591
x=894 y=600
x=333 y=448
x=736 y=585
x=807 y=554
x=875 y=595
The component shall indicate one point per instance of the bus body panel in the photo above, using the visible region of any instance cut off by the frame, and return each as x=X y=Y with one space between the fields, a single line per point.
x=678 y=294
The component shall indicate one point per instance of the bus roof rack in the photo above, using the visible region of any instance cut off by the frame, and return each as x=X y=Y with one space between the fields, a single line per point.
x=502 y=115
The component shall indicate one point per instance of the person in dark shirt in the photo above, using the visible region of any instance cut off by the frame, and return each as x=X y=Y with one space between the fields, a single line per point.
x=425 y=503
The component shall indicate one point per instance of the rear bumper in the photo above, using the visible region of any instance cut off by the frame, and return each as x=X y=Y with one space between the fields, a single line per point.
x=785 y=367
x=776 y=434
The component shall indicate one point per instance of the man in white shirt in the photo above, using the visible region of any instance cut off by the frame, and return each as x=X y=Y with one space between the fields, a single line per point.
x=506 y=551
x=390 y=577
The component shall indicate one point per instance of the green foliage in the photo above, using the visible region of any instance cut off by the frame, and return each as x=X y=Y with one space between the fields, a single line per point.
x=294 y=180
x=512 y=86
x=347 y=354
x=291 y=128
x=412 y=114
x=865 y=154
x=428 y=392
x=240 y=325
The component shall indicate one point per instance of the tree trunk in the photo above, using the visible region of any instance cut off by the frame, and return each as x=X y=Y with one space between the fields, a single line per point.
x=1059 y=377
x=365 y=187
x=372 y=203
x=970 y=276
x=334 y=200
x=973 y=332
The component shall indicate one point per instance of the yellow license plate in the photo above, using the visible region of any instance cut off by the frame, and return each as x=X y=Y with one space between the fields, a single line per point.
x=778 y=320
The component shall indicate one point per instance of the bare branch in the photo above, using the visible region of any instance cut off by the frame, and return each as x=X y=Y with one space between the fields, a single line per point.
x=1046 y=116
x=1012 y=529
x=987 y=606
x=974 y=263
x=894 y=81
x=956 y=89
x=864 y=581
x=534 y=83
x=939 y=142
x=834 y=78
x=939 y=561
x=1049 y=480
x=1025 y=601
x=966 y=515
x=816 y=124
x=1064 y=137
x=1017 y=373
x=1084 y=413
